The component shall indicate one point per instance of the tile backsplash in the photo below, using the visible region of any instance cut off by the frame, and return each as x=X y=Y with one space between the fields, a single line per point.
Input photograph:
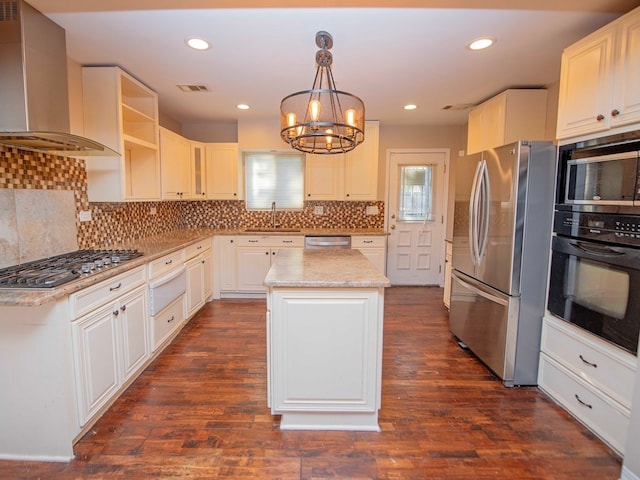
x=112 y=223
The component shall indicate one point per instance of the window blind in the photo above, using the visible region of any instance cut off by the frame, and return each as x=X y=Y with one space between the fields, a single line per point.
x=274 y=177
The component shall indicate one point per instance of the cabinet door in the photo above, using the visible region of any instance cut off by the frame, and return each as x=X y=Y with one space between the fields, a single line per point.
x=361 y=167
x=225 y=263
x=447 y=274
x=96 y=359
x=626 y=103
x=198 y=171
x=133 y=321
x=222 y=171
x=195 y=285
x=252 y=265
x=585 y=86
x=175 y=159
x=207 y=270
x=323 y=176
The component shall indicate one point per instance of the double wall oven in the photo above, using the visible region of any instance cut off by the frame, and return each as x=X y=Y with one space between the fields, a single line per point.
x=595 y=263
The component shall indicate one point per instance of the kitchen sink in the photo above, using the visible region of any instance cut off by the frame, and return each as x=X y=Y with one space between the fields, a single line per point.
x=271 y=230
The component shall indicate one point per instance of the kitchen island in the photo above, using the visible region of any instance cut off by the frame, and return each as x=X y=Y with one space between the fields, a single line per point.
x=325 y=311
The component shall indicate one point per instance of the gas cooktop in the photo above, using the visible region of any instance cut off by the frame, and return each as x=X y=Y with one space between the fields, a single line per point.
x=55 y=271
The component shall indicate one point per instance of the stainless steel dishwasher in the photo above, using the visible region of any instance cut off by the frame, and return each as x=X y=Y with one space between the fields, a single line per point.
x=327 y=241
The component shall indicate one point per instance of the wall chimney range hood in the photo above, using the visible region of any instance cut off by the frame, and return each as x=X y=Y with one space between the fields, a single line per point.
x=34 y=98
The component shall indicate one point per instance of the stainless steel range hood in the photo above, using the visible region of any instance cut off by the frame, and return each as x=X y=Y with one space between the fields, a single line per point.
x=34 y=98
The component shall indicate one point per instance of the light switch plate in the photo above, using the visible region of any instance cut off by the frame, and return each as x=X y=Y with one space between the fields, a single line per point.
x=85 y=215
x=152 y=211
x=318 y=210
x=372 y=210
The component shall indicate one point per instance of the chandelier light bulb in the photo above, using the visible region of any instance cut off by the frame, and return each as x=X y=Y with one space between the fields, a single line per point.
x=314 y=110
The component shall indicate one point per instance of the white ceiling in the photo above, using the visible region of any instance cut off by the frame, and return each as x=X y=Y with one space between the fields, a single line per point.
x=387 y=56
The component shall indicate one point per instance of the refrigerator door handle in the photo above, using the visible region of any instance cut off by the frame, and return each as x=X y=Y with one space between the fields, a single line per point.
x=476 y=288
x=485 y=197
x=473 y=213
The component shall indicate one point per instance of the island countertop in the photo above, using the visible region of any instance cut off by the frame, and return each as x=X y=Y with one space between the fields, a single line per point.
x=325 y=268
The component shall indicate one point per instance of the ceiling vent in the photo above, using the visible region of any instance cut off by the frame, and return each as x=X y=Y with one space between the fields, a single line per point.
x=458 y=106
x=194 y=88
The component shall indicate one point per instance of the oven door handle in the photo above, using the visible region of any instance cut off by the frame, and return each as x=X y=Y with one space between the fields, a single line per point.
x=602 y=251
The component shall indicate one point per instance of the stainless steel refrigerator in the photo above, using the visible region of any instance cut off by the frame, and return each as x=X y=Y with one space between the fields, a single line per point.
x=501 y=237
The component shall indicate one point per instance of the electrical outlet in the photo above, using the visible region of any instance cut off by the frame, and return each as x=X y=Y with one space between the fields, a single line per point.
x=85 y=215
x=372 y=210
x=318 y=210
x=152 y=211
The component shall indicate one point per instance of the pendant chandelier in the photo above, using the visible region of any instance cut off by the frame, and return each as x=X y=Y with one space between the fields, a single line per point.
x=322 y=120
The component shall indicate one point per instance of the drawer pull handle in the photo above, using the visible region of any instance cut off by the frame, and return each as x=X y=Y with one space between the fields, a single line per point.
x=168 y=262
x=173 y=318
x=594 y=365
x=199 y=247
x=115 y=288
x=582 y=403
x=367 y=241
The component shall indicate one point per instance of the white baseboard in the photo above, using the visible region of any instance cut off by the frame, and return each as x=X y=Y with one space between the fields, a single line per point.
x=627 y=474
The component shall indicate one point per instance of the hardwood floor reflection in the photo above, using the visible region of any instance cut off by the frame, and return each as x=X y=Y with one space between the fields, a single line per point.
x=199 y=411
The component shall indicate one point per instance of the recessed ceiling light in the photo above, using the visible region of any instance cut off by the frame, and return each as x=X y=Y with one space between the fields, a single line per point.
x=411 y=106
x=481 y=43
x=198 y=44
x=243 y=106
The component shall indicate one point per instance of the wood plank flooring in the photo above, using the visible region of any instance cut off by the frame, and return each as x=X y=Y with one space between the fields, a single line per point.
x=199 y=411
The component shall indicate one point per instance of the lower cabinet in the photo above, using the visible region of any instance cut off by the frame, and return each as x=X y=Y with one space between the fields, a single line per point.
x=448 y=257
x=111 y=345
x=165 y=323
x=199 y=269
x=374 y=247
x=590 y=378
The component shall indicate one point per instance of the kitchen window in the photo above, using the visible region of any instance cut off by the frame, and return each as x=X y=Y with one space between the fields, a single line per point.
x=274 y=177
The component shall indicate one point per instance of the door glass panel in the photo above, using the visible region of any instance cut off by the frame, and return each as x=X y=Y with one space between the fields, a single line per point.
x=415 y=193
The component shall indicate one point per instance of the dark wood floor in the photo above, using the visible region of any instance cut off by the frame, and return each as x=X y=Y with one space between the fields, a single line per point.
x=199 y=411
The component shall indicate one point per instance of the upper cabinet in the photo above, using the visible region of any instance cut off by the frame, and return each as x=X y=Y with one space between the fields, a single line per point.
x=599 y=79
x=345 y=176
x=515 y=114
x=122 y=113
x=198 y=171
x=221 y=166
x=175 y=161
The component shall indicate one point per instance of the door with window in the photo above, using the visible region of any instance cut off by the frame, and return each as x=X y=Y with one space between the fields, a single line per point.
x=416 y=194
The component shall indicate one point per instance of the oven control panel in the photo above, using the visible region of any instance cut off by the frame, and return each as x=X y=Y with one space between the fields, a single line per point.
x=605 y=227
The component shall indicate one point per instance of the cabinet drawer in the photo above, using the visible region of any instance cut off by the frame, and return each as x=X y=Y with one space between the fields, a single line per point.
x=101 y=293
x=166 y=263
x=166 y=322
x=360 y=241
x=603 y=416
x=270 y=241
x=197 y=248
x=596 y=362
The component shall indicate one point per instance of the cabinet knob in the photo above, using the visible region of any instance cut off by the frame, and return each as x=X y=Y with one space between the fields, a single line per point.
x=115 y=313
x=600 y=117
x=266 y=253
x=123 y=308
x=393 y=227
x=615 y=112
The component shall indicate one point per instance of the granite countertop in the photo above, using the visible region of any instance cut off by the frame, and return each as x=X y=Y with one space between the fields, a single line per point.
x=153 y=247
x=329 y=268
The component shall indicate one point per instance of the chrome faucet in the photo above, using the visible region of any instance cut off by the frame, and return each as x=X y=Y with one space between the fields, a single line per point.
x=274 y=224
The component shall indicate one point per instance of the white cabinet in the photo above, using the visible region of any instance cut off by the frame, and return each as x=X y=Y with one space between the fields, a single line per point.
x=374 y=247
x=515 y=114
x=122 y=113
x=198 y=171
x=224 y=265
x=598 y=81
x=111 y=340
x=350 y=176
x=447 y=274
x=221 y=167
x=175 y=160
x=167 y=322
x=361 y=167
x=199 y=275
x=254 y=255
x=325 y=357
x=589 y=377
